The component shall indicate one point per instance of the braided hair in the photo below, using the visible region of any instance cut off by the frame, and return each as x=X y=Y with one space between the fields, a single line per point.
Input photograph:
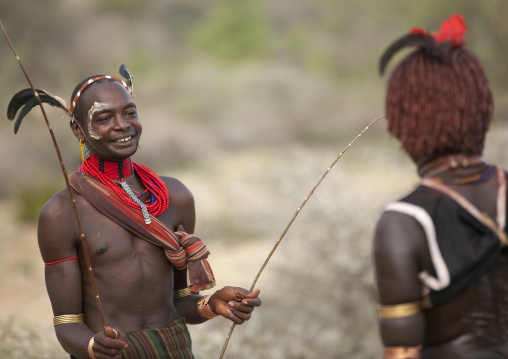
x=438 y=99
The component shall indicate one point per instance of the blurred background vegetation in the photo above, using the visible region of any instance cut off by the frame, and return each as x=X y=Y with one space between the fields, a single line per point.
x=229 y=74
x=246 y=101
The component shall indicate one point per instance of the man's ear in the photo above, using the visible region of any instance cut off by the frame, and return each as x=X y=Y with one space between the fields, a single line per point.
x=76 y=129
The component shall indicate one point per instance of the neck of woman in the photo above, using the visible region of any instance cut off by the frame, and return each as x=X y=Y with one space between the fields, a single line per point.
x=445 y=164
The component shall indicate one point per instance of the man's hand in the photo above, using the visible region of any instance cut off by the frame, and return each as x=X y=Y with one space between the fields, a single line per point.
x=109 y=344
x=235 y=304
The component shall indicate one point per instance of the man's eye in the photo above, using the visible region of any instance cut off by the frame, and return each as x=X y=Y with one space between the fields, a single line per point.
x=131 y=113
x=105 y=118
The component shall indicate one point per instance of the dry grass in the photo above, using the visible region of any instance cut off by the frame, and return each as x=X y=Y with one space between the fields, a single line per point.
x=318 y=291
x=319 y=298
x=250 y=140
x=319 y=295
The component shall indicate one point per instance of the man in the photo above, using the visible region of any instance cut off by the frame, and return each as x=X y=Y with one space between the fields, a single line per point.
x=135 y=227
x=440 y=257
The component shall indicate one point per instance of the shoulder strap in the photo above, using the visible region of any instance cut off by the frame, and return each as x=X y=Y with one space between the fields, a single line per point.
x=496 y=226
x=442 y=279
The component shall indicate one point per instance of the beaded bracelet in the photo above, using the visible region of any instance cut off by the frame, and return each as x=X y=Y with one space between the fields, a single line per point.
x=89 y=347
x=203 y=309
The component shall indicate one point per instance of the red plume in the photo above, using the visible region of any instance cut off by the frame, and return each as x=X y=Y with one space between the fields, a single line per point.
x=452 y=30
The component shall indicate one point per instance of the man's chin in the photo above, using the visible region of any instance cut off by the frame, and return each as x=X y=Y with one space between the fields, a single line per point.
x=118 y=155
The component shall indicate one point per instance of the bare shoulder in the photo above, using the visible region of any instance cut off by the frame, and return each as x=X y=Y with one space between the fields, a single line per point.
x=181 y=204
x=398 y=233
x=178 y=192
x=56 y=208
x=400 y=253
x=56 y=230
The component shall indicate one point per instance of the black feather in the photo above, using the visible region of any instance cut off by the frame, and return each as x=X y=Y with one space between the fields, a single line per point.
x=29 y=104
x=126 y=75
x=26 y=100
x=423 y=41
x=17 y=101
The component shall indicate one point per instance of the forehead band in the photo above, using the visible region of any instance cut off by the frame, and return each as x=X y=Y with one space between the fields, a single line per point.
x=88 y=83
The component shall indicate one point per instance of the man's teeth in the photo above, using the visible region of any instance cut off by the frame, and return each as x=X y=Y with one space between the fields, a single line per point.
x=123 y=139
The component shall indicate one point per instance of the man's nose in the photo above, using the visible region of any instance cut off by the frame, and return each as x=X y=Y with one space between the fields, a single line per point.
x=120 y=123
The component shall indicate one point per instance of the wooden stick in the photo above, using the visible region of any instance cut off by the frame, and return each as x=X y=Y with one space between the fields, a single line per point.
x=64 y=171
x=292 y=220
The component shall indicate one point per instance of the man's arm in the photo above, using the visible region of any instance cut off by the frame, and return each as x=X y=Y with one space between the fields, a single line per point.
x=58 y=243
x=233 y=303
x=400 y=245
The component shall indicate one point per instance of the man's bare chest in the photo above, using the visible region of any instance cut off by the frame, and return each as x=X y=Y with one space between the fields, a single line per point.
x=108 y=241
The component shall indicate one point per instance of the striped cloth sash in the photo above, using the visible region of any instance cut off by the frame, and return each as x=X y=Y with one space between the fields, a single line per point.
x=173 y=342
x=183 y=250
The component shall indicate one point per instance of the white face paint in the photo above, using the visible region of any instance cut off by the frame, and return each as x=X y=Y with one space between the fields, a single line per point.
x=96 y=107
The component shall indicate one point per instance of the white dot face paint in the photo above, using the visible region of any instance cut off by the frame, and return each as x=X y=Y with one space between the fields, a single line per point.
x=97 y=106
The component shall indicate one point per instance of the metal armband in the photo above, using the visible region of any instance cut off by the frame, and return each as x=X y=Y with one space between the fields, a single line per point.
x=399 y=310
x=68 y=318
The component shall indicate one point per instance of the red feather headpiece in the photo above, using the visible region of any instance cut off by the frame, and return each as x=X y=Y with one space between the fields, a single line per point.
x=451 y=34
x=452 y=30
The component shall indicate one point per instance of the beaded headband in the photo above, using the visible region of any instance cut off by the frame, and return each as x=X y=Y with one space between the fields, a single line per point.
x=25 y=99
x=88 y=83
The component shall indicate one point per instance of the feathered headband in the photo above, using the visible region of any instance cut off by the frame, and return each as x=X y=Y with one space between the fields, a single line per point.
x=451 y=34
x=26 y=100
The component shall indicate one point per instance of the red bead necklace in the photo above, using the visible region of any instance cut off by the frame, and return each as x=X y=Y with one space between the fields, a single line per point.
x=111 y=174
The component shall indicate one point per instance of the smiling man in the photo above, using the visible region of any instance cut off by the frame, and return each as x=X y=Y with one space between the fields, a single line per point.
x=137 y=227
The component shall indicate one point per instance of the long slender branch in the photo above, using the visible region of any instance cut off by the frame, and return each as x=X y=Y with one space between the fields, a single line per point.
x=64 y=171
x=297 y=212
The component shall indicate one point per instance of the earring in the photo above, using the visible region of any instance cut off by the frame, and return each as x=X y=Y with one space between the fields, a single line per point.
x=82 y=148
x=139 y=146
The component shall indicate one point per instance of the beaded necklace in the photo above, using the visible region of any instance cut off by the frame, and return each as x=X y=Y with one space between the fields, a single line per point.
x=112 y=174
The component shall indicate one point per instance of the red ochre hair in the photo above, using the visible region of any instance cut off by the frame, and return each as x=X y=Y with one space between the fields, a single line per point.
x=438 y=99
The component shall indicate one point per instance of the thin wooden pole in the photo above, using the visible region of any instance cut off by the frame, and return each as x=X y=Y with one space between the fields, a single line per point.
x=64 y=171
x=297 y=212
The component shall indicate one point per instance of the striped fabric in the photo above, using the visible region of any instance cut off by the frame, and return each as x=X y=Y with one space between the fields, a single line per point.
x=173 y=342
x=182 y=249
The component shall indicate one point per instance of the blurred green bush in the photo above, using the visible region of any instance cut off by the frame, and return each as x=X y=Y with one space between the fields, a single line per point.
x=235 y=31
x=29 y=198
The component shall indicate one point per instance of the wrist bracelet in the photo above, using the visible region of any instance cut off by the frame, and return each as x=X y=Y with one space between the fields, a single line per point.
x=203 y=309
x=180 y=293
x=89 y=348
x=402 y=352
